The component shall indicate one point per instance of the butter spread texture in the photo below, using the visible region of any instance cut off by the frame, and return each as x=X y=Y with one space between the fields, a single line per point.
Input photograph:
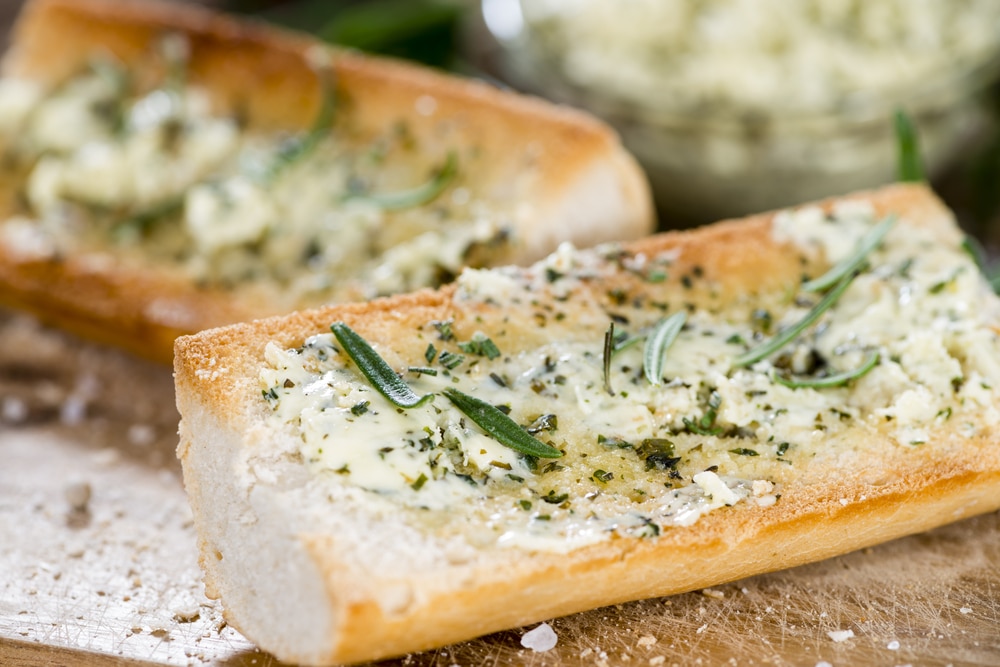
x=639 y=458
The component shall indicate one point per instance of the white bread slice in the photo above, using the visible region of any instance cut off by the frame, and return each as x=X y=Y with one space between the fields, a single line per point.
x=318 y=568
x=564 y=172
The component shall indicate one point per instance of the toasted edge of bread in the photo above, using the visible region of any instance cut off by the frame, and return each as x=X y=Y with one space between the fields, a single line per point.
x=362 y=588
x=588 y=188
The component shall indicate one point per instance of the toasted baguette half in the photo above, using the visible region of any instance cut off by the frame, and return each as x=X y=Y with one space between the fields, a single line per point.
x=551 y=173
x=338 y=527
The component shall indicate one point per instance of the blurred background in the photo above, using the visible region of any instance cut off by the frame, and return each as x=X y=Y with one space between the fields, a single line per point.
x=732 y=106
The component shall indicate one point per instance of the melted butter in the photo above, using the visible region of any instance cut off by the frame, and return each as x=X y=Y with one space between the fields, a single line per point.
x=641 y=458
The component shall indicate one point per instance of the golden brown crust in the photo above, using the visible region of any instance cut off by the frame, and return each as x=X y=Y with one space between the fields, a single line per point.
x=826 y=512
x=587 y=190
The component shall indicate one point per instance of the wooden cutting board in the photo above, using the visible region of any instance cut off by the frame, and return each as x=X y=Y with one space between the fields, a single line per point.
x=98 y=564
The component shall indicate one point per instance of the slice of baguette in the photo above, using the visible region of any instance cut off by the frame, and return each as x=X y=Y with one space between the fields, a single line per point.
x=318 y=563
x=559 y=173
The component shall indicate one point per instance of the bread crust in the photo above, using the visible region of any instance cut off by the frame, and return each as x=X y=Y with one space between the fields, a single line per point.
x=826 y=511
x=588 y=188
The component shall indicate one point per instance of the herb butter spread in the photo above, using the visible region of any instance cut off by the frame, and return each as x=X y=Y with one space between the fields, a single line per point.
x=110 y=161
x=902 y=341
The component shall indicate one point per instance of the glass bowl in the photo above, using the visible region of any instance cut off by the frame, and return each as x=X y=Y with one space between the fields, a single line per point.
x=729 y=150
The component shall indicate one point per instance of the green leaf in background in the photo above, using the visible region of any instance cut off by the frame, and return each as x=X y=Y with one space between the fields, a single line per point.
x=421 y=30
x=910 y=166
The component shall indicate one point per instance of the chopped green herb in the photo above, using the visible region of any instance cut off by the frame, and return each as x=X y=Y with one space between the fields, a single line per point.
x=481 y=345
x=603 y=476
x=450 y=360
x=444 y=329
x=525 y=504
x=555 y=499
x=704 y=426
x=361 y=408
x=743 y=451
x=430 y=353
x=547 y=422
x=761 y=320
x=782 y=448
x=422 y=370
x=656 y=276
x=417 y=485
x=649 y=528
x=613 y=442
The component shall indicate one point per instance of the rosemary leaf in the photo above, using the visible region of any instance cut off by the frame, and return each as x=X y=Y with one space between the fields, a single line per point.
x=660 y=338
x=499 y=426
x=139 y=222
x=851 y=263
x=419 y=195
x=909 y=167
x=609 y=350
x=835 y=380
x=302 y=146
x=375 y=368
x=624 y=342
x=777 y=342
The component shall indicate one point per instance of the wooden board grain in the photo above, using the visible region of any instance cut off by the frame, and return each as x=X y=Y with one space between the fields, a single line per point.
x=115 y=581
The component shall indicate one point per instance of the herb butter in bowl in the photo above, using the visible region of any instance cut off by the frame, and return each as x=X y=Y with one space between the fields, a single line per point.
x=735 y=107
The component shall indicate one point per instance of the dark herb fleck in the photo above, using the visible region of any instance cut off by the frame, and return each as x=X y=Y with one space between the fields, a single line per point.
x=603 y=476
x=743 y=451
x=417 y=485
x=555 y=499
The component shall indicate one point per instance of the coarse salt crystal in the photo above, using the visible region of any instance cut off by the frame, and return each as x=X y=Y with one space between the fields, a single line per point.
x=542 y=638
x=893 y=645
x=840 y=635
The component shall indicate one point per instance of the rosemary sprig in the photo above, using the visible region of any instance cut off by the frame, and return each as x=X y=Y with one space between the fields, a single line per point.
x=909 y=166
x=375 y=368
x=974 y=248
x=301 y=146
x=851 y=263
x=660 y=338
x=416 y=196
x=499 y=426
x=139 y=222
x=835 y=380
x=775 y=343
x=625 y=341
x=609 y=350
